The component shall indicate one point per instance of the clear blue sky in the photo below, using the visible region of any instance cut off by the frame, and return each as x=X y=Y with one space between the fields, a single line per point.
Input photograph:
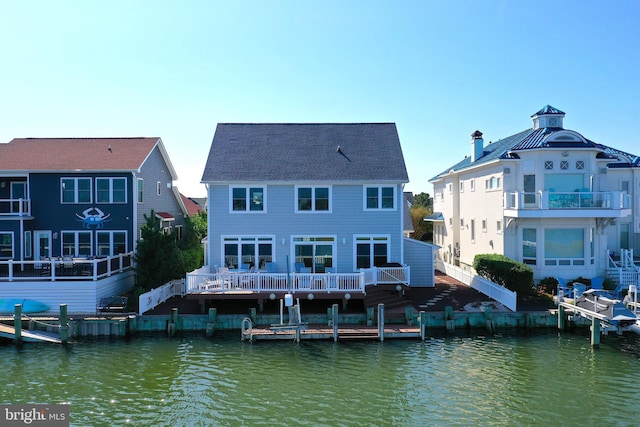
x=438 y=69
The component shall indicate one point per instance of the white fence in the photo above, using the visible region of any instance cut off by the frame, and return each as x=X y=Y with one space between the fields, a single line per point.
x=155 y=297
x=499 y=293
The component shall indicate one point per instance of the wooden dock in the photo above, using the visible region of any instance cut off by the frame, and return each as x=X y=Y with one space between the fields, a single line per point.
x=343 y=333
x=7 y=331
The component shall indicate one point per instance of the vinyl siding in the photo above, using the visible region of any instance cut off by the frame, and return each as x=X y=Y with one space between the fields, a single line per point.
x=347 y=218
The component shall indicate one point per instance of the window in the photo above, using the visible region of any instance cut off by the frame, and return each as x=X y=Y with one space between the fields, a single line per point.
x=473 y=231
x=111 y=190
x=313 y=199
x=564 y=165
x=472 y=184
x=548 y=165
x=76 y=243
x=247 y=251
x=158 y=186
x=28 y=248
x=75 y=190
x=492 y=183
x=461 y=223
x=371 y=251
x=499 y=226
x=6 y=245
x=111 y=242
x=462 y=186
x=484 y=225
x=245 y=199
x=580 y=164
x=379 y=198
x=529 y=249
x=564 y=246
x=179 y=232
x=140 y=190
x=314 y=253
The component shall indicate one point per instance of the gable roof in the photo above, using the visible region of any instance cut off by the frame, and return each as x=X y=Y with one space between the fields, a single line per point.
x=191 y=207
x=305 y=152
x=79 y=154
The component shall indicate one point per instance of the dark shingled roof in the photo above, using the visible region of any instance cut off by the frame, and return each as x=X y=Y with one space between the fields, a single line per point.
x=305 y=152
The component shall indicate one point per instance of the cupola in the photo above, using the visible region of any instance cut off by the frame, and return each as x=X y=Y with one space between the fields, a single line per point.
x=548 y=117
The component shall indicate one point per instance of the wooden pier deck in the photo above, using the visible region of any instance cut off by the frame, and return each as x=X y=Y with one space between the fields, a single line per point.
x=7 y=331
x=344 y=333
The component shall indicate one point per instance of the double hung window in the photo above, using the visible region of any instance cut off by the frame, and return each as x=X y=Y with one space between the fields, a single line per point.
x=371 y=251
x=379 y=198
x=111 y=190
x=247 y=199
x=75 y=190
x=313 y=199
x=247 y=251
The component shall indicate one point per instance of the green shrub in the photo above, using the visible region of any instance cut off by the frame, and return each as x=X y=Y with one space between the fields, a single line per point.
x=548 y=285
x=513 y=275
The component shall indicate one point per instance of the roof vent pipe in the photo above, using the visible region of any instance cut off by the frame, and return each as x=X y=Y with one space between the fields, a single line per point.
x=477 y=145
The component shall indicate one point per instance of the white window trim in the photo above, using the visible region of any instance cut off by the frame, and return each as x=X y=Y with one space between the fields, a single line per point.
x=13 y=244
x=76 y=245
x=75 y=195
x=139 y=199
x=111 y=180
x=333 y=243
x=358 y=238
x=379 y=208
x=111 y=246
x=158 y=187
x=247 y=201
x=313 y=198
x=255 y=239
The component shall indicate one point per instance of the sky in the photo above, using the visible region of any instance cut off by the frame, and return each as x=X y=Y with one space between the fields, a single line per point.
x=438 y=69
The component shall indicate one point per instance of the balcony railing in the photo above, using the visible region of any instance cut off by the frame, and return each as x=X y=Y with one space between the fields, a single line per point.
x=65 y=268
x=261 y=282
x=614 y=200
x=15 y=207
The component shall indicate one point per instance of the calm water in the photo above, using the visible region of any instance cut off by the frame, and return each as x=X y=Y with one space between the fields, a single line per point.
x=546 y=379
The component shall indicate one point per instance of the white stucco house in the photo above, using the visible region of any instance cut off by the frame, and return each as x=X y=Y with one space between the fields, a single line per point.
x=547 y=196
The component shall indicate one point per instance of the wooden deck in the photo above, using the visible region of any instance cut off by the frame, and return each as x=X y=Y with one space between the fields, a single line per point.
x=324 y=332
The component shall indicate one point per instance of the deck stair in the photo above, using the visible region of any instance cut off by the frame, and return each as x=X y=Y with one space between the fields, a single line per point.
x=394 y=301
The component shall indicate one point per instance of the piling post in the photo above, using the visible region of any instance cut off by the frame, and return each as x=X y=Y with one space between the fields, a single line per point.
x=17 y=323
x=370 y=315
x=334 y=321
x=173 y=320
x=253 y=315
x=381 y=322
x=423 y=325
x=448 y=318
x=562 y=318
x=211 y=324
x=408 y=315
x=489 y=319
x=64 y=324
x=595 y=333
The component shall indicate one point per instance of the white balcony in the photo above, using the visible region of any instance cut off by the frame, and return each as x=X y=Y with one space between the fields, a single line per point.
x=546 y=204
x=15 y=207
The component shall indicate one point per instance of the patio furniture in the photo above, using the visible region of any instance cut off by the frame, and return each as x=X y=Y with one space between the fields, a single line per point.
x=597 y=283
x=271 y=267
x=563 y=286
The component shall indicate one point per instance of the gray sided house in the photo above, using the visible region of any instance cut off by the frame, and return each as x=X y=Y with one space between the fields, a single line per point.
x=71 y=210
x=319 y=206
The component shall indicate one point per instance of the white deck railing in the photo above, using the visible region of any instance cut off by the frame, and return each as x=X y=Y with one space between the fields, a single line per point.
x=202 y=280
x=65 y=268
x=15 y=207
x=499 y=293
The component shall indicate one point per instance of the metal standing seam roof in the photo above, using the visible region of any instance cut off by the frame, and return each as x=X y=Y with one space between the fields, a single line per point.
x=305 y=152
x=535 y=139
x=76 y=154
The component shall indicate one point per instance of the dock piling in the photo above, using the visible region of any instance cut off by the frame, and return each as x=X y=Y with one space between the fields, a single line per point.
x=334 y=321
x=211 y=324
x=595 y=333
x=64 y=324
x=381 y=322
x=423 y=325
x=562 y=318
x=173 y=320
x=17 y=324
x=448 y=317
